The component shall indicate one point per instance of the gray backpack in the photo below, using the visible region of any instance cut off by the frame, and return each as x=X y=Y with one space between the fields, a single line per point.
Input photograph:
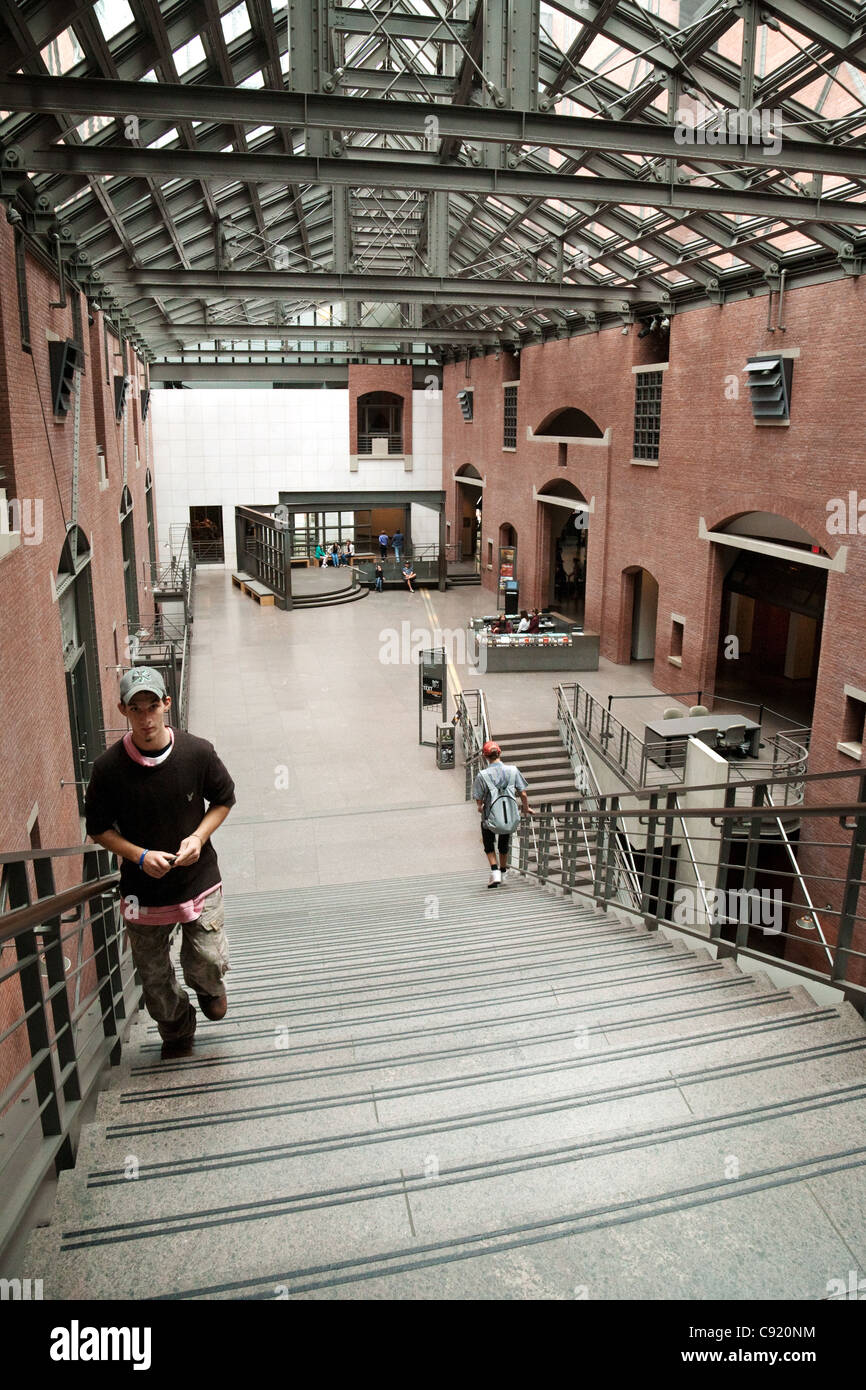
x=503 y=813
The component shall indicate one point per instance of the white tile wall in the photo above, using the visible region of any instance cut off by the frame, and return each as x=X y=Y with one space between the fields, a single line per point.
x=227 y=447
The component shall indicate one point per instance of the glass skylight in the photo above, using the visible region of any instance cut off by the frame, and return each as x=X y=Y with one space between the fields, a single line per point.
x=236 y=22
x=113 y=16
x=189 y=55
x=62 y=53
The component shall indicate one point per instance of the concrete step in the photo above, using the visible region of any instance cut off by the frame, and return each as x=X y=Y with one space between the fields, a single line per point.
x=222 y=1078
x=490 y=1102
x=574 y=1189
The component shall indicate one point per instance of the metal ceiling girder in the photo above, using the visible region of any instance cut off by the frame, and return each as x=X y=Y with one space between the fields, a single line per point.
x=370 y=287
x=419 y=173
x=426 y=28
x=305 y=333
x=817 y=22
x=318 y=112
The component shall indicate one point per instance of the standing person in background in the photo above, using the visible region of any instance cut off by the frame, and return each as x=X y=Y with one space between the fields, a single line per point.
x=397 y=542
x=150 y=789
x=383 y=545
x=380 y=575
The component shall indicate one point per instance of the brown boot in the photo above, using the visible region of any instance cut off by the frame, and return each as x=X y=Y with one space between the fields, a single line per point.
x=178 y=1039
x=213 y=1006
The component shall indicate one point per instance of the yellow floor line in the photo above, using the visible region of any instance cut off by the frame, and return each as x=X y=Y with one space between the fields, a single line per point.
x=456 y=686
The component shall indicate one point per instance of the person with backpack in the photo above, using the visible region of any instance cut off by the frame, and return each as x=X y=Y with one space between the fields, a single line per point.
x=496 y=790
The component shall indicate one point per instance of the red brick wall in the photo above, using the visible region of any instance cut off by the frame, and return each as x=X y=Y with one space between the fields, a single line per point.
x=397 y=379
x=35 y=742
x=715 y=463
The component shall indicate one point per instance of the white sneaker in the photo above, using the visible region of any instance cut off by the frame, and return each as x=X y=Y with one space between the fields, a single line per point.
x=495 y=878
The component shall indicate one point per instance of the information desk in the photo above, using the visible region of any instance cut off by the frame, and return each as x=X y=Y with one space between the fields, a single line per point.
x=670 y=732
x=556 y=648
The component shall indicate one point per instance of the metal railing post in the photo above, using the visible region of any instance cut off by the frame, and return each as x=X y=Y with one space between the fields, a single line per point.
x=750 y=867
x=665 y=860
x=649 y=856
x=569 y=844
x=33 y=999
x=851 y=896
x=724 y=948
x=598 y=863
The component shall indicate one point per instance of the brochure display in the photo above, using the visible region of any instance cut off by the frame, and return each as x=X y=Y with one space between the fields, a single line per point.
x=556 y=649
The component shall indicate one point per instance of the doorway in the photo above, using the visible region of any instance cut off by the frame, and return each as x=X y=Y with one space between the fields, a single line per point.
x=644 y=616
x=770 y=630
x=206 y=535
x=569 y=543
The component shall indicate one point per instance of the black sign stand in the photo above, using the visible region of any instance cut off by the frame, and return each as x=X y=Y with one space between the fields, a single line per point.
x=432 y=689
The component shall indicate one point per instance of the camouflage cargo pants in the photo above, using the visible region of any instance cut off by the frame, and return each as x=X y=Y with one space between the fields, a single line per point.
x=204 y=959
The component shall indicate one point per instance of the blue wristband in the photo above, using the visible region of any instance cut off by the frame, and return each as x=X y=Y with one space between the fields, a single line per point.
x=144 y=855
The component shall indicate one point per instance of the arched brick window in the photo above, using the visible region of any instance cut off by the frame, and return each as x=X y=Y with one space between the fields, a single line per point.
x=380 y=417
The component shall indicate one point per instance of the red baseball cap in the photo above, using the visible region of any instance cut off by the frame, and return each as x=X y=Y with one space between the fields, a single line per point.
x=490 y=748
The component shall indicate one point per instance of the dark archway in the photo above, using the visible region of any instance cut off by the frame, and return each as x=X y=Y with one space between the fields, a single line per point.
x=568 y=422
x=771 y=616
x=564 y=540
x=640 y=603
x=470 y=502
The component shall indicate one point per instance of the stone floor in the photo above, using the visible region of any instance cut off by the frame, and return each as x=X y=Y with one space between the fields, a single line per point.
x=315 y=713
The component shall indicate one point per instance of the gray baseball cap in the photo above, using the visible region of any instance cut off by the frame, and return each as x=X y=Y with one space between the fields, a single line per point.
x=141 y=678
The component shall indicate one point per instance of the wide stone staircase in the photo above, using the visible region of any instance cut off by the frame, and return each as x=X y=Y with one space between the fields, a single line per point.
x=425 y=1090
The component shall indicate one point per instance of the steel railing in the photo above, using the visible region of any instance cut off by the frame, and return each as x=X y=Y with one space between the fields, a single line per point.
x=735 y=895
x=63 y=953
x=473 y=720
x=587 y=784
x=647 y=764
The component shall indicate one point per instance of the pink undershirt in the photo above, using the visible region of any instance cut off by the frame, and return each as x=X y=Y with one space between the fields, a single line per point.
x=172 y=912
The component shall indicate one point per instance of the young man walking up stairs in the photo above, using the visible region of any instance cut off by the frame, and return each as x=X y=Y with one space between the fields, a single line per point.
x=495 y=793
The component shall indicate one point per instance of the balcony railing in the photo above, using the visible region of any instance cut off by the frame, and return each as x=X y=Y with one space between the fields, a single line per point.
x=394 y=441
x=643 y=765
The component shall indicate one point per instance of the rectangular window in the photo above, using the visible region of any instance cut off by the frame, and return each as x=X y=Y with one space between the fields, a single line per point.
x=647 y=414
x=509 y=418
x=677 y=630
x=490 y=555
x=852 y=732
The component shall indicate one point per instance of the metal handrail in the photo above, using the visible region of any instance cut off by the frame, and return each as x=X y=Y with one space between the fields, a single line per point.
x=20 y=918
x=70 y=1014
x=570 y=735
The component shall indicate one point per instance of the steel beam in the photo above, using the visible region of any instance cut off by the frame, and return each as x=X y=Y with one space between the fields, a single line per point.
x=303 y=374
x=385 y=288
x=316 y=333
x=314 y=111
x=416 y=172
x=426 y=28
